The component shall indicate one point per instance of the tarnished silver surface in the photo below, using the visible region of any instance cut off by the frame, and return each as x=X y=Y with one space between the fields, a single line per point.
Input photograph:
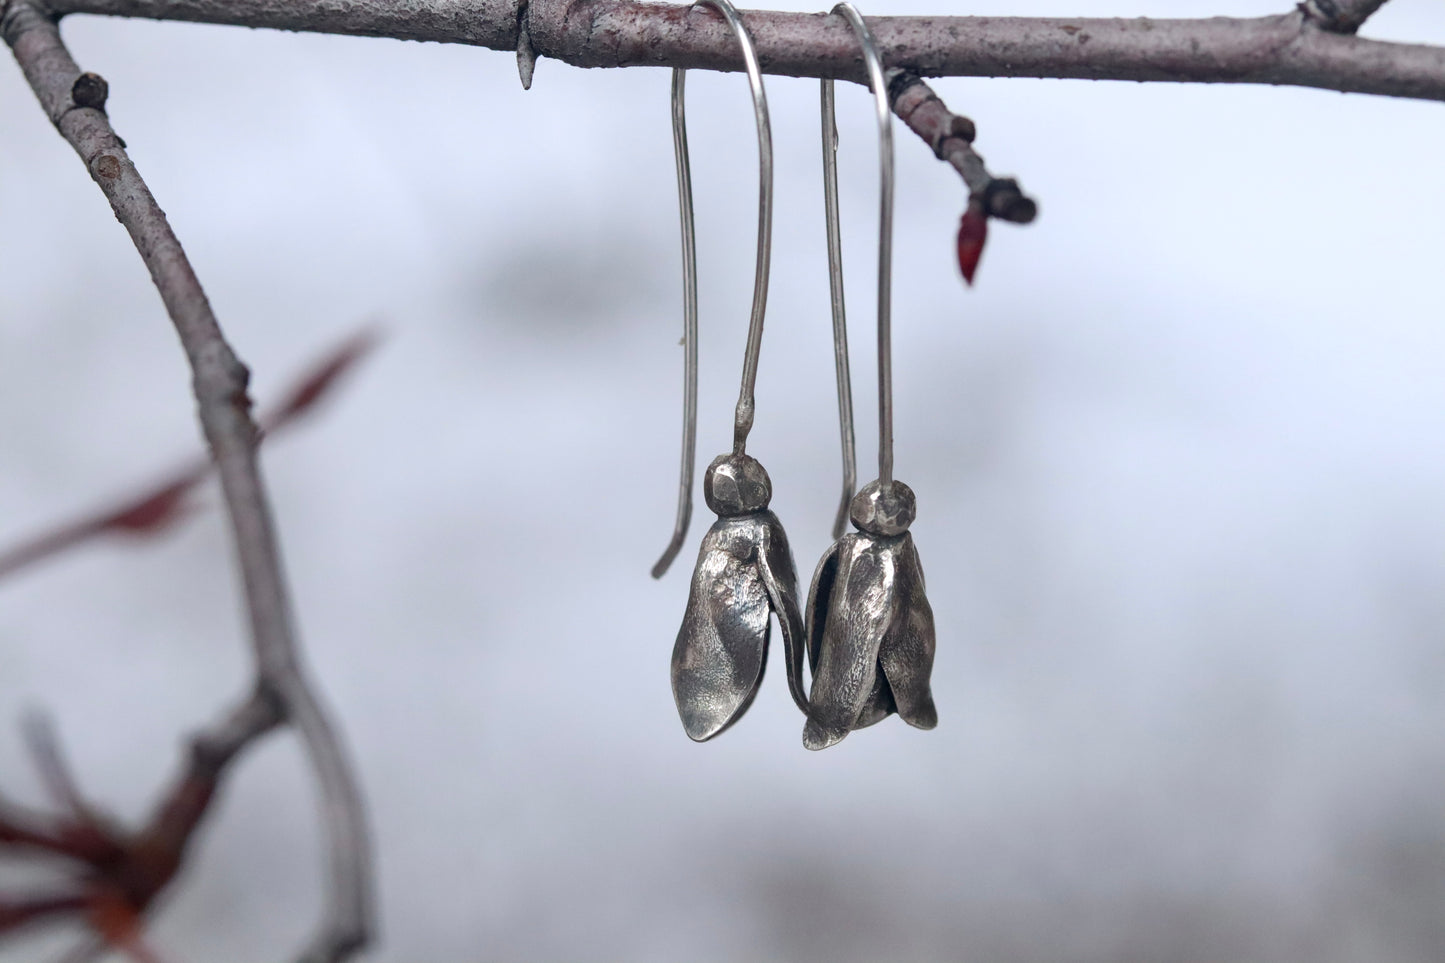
x=743 y=413
x=840 y=312
x=870 y=627
x=744 y=575
x=744 y=570
x=689 y=326
x=873 y=62
x=869 y=624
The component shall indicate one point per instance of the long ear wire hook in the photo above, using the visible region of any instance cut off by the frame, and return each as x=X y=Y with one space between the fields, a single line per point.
x=689 y=327
x=840 y=319
x=874 y=64
x=743 y=416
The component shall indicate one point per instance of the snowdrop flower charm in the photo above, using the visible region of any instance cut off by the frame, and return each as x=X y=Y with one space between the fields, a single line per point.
x=870 y=627
x=744 y=575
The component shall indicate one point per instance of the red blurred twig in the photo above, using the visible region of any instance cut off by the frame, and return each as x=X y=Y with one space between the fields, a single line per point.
x=319 y=379
x=120 y=888
x=116 y=875
x=18 y=913
x=165 y=503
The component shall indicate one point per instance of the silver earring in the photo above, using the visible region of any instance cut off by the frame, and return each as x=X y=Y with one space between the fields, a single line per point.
x=744 y=572
x=840 y=320
x=869 y=624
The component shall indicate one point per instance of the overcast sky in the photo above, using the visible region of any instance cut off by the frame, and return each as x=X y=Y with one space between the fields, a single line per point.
x=1178 y=457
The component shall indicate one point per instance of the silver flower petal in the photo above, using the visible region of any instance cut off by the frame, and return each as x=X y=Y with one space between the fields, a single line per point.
x=820 y=596
x=870 y=638
x=857 y=608
x=906 y=655
x=780 y=577
x=744 y=574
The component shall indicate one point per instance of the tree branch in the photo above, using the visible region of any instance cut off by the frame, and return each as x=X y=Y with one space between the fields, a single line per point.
x=1306 y=48
x=1310 y=47
x=75 y=104
x=506 y=24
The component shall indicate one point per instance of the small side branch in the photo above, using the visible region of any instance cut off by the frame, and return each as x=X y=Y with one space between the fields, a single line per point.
x=951 y=137
x=1340 y=16
x=75 y=103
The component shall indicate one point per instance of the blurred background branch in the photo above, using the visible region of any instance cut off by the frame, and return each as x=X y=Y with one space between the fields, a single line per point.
x=75 y=103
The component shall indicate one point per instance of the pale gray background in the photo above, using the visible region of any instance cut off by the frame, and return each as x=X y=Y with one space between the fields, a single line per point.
x=1180 y=463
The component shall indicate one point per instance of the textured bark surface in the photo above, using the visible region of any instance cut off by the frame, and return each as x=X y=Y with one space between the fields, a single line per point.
x=485 y=23
x=1308 y=48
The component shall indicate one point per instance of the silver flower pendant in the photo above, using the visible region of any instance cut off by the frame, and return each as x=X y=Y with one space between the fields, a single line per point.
x=870 y=627
x=744 y=574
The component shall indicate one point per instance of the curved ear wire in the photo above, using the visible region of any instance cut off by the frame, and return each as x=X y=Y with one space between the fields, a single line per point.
x=689 y=327
x=840 y=320
x=743 y=417
x=874 y=64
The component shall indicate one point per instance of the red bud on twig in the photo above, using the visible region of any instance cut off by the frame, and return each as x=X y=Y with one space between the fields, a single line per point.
x=972 y=233
x=156 y=511
x=320 y=378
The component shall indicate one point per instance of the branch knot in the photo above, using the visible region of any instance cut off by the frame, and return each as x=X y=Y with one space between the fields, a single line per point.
x=89 y=91
x=1338 y=16
x=1005 y=200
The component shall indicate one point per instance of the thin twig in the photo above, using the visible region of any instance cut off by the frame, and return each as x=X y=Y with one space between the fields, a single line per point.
x=951 y=137
x=145 y=514
x=38 y=730
x=211 y=751
x=15 y=914
x=1289 y=48
x=75 y=104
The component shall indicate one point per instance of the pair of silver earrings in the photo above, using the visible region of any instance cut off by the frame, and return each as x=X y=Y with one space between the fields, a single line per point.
x=867 y=629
